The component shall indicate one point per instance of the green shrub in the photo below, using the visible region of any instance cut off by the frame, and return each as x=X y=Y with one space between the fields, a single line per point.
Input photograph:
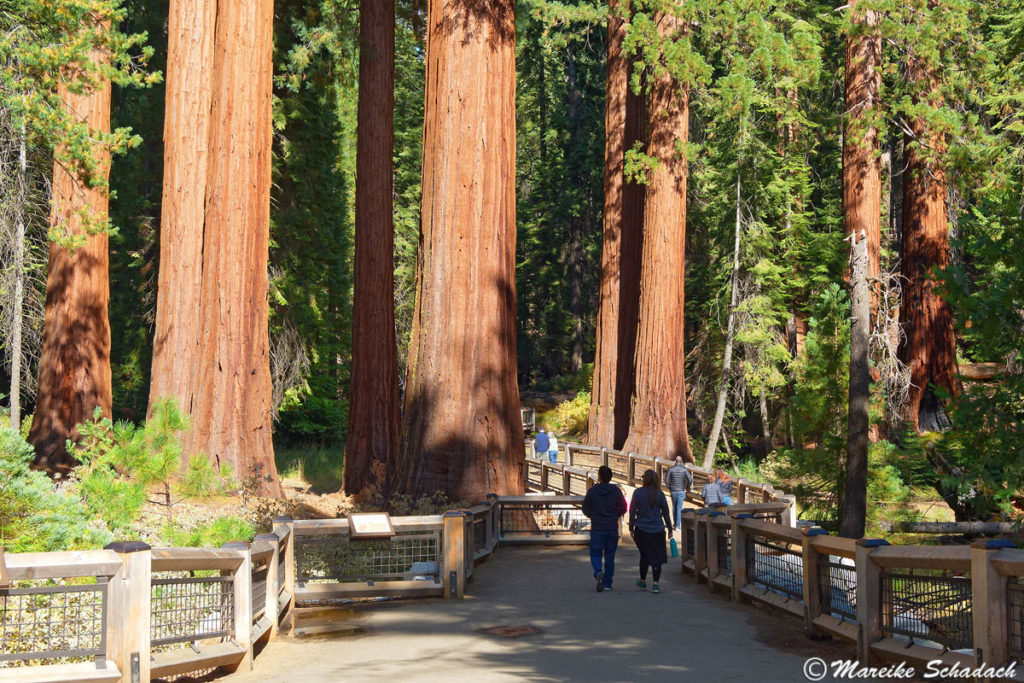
x=214 y=534
x=34 y=515
x=570 y=417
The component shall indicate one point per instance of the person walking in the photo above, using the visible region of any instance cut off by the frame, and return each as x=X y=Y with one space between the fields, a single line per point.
x=553 y=449
x=711 y=492
x=678 y=481
x=648 y=518
x=725 y=487
x=540 y=444
x=604 y=504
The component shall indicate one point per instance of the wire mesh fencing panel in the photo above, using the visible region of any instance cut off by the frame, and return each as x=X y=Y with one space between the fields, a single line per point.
x=724 y=555
x=776 y=567
x=931 y=607
x=541 y=518
x=691 y=541
x=479 y=534
x=837 y=587
x=41 y=624
x=1015 y=613
x=533 y=474
x=191 y=608
x=586 y=457
x=258 y=590
x=336 y=558
x=282 y=578
x=619 y=464
x=578 y=484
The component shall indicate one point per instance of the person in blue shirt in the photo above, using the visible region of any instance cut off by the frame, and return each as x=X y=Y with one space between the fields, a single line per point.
x=604 y=504
x=648 y=519
x=540 y=444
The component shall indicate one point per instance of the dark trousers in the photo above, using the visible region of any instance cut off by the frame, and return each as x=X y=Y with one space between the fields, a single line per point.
x=604 y=543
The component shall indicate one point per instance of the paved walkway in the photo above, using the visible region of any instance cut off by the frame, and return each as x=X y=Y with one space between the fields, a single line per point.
x=625 y=635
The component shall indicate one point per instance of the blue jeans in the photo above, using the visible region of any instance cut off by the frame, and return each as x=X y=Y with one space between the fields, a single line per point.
x=553 y=456
x=727 y=500
x=604 y=543
x=678 y=498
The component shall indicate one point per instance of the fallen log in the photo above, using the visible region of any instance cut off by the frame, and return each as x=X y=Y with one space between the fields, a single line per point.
x=967 y=528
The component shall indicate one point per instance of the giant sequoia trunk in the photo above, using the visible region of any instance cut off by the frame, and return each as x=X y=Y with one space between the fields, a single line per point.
x=223 y=376
x=74 y=364
x=620 y=252
x=462 y=432
x=658 y=424
x=929 y=349
x=862 y=181
x=371 y=448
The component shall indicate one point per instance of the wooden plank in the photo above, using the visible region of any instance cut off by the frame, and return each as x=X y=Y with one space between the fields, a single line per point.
x=398 y=589
x=834 y=545
x=869 y=598
x=453 y=556
x=184 y=660
x=918 y=656
x=1009 y=562
x=188 y=559
x=129 y=611
x=836 y=627
x=59 y=673
x=923 y=557
x=261 y=552
x=786 y=604
x=66 y=564
x=541 y=539
x=777 y=532
x=539 y=499
x=722 y=581
x=991 y=619
x=323 y=527
x=241 y=584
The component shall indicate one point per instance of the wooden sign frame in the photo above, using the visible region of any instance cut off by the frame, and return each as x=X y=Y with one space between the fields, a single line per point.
x=370 y=525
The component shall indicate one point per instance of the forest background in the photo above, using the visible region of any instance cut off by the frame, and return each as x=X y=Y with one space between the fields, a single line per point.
x=765 y=161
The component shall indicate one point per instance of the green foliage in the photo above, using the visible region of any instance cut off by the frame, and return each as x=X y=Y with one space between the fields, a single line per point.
x=212 y=534
x=321 y=468
x=570 y=417
x=35 y=516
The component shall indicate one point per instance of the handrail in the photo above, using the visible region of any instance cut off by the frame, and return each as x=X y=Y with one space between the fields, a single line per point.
x=62 y=565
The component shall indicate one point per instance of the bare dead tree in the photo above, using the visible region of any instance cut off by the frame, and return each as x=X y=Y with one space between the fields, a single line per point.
x=886 y=336
x=289 y=364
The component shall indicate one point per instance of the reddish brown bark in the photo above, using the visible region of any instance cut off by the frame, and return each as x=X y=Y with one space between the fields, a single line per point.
x=74 y=364
x=620 y=255
x=929 y=349
x=223 y=377
x=462 y=432
x=371 y=448
x=658 y=424
x=862 y=180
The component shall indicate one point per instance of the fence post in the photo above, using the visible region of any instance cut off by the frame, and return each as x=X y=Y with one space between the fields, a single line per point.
x=130 y=611
x=453 y=539
x=741 y=491
x=491 y=527
x=270 y=608
x=869 y=598
x=700 y=542
x=739 y=553
x=604 y=456
x=812 y=579
x=631 y=468
x=566 y=481
x=544 y=476
x=712 y=548
x=991 y=637
x=241 y=585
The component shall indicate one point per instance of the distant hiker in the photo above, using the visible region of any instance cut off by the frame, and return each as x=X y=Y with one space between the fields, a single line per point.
x=553 y=449
x=725 y=487
x=678 y=480
x=540 y=444
x=604 y=504
x=648 y=518
x=712 y=491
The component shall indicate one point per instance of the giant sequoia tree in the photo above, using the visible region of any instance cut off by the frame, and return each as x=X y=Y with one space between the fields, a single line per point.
x=620 y=253
x=658 y=422
x=74 y=365
x=211 y=351
x=371 y=448
x=461 y=432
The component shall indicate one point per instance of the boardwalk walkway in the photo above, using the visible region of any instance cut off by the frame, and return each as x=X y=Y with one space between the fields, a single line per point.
x=626 y=635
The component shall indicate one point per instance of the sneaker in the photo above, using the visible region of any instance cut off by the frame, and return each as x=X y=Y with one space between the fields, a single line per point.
x=607 y=588
x=641 y=584
x=600 y=581
x=655 y=589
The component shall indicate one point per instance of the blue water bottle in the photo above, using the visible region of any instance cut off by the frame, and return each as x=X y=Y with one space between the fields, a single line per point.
x=674 y=547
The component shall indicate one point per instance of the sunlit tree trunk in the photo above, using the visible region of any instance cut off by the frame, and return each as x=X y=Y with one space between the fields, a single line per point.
x=854 y=512
x=658 y=424
x=21 y=201
x=620 y=252
x=462 y=432
x=74 y=365
x=371 y=448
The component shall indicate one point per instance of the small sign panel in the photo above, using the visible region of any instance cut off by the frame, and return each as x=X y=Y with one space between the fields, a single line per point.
x=370 y=525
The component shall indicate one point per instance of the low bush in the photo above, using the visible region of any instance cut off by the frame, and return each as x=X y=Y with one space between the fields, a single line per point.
x=570 y=417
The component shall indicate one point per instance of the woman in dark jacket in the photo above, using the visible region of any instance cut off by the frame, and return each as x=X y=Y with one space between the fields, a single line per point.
x=648 y=519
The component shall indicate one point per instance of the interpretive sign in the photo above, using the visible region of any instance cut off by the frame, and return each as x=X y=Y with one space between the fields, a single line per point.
x=370 y=525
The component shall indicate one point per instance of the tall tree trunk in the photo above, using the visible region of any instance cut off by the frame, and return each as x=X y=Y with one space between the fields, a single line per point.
x=212 y=307
x=854 y=511
x=462 y=432
x=183 y=221
x=730 y=332
x=74 y=364
x=371 y=448
x=620 y=252
x=576 y=222
x=862 y=183
x=929 y=349
x=21 y=201
x=658 y=424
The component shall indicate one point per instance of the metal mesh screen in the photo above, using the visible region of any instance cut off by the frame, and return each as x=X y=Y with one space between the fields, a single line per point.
x=776 y=567
x=691 y=542
x=533 y=474
x=53 y=622
x=337 y=558
x=479 y=533
x=259 y=590
x=586 y=458
x=928 y=607
x=619 y=464
x=577 y=484
x=281 y=569
x=724 y=555
x=534 y=518
x=1015 y=598
x=187 y=608
x=837 y=584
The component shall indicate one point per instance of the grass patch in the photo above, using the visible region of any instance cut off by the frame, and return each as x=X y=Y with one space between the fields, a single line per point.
x=321 y=468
